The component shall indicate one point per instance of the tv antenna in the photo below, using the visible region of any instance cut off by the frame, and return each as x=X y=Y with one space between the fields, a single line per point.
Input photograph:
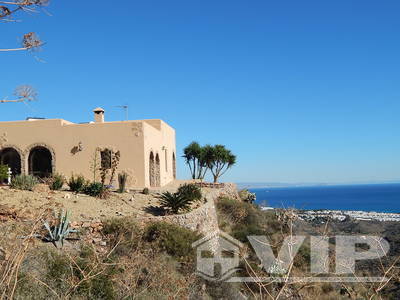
x=125 y=108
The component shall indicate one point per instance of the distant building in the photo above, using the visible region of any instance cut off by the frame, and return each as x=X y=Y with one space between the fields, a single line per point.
x=42 y=147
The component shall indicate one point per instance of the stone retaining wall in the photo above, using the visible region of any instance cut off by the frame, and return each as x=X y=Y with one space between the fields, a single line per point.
x=203 y=219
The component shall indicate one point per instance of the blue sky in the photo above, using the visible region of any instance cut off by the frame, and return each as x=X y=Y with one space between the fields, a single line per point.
x=301 y=91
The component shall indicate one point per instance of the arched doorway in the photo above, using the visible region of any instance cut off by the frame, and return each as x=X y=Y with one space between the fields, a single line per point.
x=174 y=164
x=152 y=170
x=158 y=170
x=40 y=162
x=10 y=157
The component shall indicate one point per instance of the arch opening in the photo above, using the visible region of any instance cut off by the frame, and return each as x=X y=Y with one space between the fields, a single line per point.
x=158 y=171
x=40 y=162
x=174 y=164
x=10 y=157
x=152 y=170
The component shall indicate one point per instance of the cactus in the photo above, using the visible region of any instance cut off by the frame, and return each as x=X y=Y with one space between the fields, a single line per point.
x=122 y=178
x=58 y=233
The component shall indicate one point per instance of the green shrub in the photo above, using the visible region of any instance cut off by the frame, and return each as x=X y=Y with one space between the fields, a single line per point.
x=77 y=184
x=96 y=189
x=175 y=203
x=173 y=239
x=3 y=173
x=240 y=219
x=56 y=182
x=63 y=273
x=122 y=179
x=146 y=191
x=123 y=233
x=190 y=191
x=246 y=196
x=24 y=182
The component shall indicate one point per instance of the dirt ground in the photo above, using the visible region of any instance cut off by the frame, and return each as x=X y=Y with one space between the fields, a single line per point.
x=83 y=207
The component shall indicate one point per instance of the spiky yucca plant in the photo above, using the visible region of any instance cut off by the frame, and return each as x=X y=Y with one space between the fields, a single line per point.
x=175 y=203
x=59 y=232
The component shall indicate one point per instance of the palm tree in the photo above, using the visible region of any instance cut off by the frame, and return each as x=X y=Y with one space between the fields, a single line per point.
x=219 y=160
x=175 y=202
x=191 y=155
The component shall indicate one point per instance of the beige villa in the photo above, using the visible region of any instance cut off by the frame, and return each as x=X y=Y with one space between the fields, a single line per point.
x=42 y=147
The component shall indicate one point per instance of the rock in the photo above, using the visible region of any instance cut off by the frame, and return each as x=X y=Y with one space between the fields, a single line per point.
x=86 y=225
x=67 y=196
x=103 y=243
x=41 y=188
x=96 y=240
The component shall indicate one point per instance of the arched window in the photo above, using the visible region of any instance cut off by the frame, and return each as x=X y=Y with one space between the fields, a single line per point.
x=158 y=170
x=152 y=170
x=40 y=162
x=174 y=164
x=10 y=157
x=166 y=160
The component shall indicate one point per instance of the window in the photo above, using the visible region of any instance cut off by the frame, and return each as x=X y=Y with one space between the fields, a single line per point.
x=166 y=160
x=106 y=155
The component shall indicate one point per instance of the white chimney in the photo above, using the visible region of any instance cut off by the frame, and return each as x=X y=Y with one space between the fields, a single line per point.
x=98 y=115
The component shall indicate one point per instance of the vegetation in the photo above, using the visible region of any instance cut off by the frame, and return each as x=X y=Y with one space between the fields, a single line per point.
x=96 y=189
x=182 y=200
x=122 y=179
x=195 y=158
x=24 y=182
x=77 y=184
x=216 y=158
x=190 y=191
x=157 y=261
x=56 y=182
x=219 y=160
x=174 y=202
x=109 y=164
x=59 y=232
x=3 y=173
x=246 y=196
x=174 y=240
x=146 y=191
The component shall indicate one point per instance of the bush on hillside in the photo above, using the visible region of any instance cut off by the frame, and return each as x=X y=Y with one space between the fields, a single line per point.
x=56 y=182
x=77 y=184
x=96 y=189
x=190 y=191
x=247 y=196
x=173 y=239
x=241 y=219
x=123 y=233
x=175 y=203
x=24 y=182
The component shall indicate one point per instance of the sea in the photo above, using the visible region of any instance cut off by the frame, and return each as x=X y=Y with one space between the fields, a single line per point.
x=365 y=197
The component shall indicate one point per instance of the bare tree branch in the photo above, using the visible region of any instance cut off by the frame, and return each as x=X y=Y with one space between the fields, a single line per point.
x=24 y=93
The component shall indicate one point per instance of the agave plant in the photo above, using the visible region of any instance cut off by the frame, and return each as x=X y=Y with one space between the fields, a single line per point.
x=175 y=202
x=59 y=232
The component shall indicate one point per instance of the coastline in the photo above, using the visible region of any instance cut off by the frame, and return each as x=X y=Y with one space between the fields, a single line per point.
x=342 y=215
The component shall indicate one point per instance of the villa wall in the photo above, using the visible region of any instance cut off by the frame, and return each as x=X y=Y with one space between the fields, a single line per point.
x=72 y=146
x=164 y=146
